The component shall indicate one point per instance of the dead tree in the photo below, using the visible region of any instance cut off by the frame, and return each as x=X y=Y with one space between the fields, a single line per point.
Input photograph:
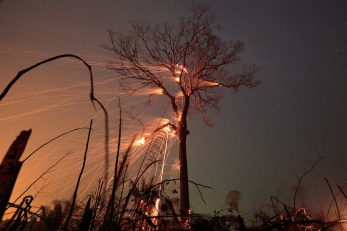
x=185 y=62
x=10 y=168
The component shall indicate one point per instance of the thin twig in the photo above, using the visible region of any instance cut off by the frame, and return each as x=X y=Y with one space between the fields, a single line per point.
x=37 y=179
x=341 y=190
x=78 y=180
x=197 y=185
x=313 y=165
x=337 y=207
x=93 y=99
x=22 y=72
x=110 y=208
x=51 y=140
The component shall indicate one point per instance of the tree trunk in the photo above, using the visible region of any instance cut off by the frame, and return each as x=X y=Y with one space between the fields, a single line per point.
x=184 y=187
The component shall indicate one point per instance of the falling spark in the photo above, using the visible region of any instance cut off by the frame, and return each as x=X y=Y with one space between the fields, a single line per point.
x=59 y=102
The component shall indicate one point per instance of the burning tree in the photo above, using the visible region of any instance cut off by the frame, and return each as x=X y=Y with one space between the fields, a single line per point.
x=185 y=62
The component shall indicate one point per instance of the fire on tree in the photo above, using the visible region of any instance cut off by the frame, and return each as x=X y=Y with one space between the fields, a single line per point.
x=186 y=62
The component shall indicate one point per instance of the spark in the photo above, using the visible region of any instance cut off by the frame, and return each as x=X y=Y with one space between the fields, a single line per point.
x=205 y=83
x=179 y=116
x=58 y=102
x=167 y=129
x=157 y=91
x=180 y=69
x=141 y=141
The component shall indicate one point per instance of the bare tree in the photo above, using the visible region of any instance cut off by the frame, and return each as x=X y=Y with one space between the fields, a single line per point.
x=186 y=62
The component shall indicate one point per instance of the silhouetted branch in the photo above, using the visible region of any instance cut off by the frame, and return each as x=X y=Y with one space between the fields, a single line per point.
x=341 y=190
x=197 y=185
x=22 y=72
x=91 y=95
x=337 y=207
x=37 y=179
x=78 y=180
x=51 y=140
x=306 y=172
x=110 y=208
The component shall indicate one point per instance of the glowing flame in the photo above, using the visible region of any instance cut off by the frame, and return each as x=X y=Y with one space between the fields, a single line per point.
x=179 y=94
x=179 y=116
x=203 y=83
x=177 y=79
x=213 y=84
x=158 y=91
x=141 y=141
x=167 y=129
x=181 y=68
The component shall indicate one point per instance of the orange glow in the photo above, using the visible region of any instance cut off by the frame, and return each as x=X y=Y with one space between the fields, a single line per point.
x=181 y=68
x=165 y=121
x=213 y=84
x=176 y=166
x=204 y=83
x=177 y=79
x=167 y=129
x=179 y=116
x=158 y=91
x=141 y=141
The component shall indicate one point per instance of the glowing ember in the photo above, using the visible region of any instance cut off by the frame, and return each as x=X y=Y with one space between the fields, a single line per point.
x=180 y=69
x=141 y=141
x=213 y=84
x=167 y=129
x=176 y=166
x=158 y=91
x=203 y=83
x=179 y=116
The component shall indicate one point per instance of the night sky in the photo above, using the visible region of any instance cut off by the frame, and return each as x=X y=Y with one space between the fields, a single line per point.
x=261 y=137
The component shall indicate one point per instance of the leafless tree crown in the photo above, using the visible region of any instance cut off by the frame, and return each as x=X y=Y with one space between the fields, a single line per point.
x=188 y=56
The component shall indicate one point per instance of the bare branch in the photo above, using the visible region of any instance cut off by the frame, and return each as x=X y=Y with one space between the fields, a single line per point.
x=301 y=177
x=337 y=207
x=40 y=177
x=78 y=180
x=51 y=140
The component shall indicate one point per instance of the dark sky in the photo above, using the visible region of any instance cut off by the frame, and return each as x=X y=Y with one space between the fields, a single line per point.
x=260 y=137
